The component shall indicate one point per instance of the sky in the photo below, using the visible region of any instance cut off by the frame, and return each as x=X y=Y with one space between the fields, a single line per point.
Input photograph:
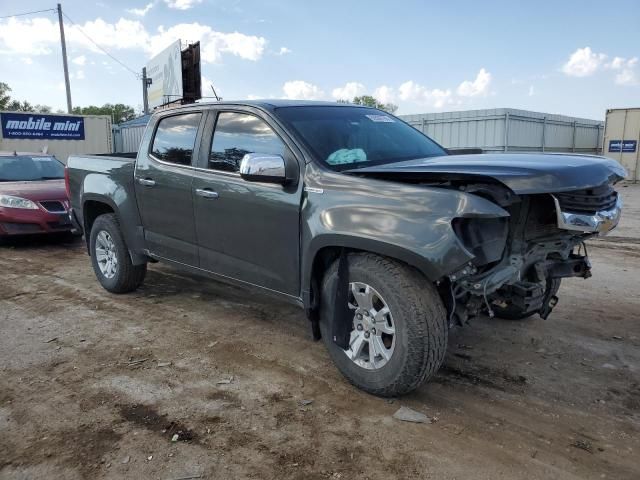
x=575 y=58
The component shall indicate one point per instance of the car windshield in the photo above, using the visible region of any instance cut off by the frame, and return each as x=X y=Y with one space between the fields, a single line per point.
x=344 y=138
x=21 y=168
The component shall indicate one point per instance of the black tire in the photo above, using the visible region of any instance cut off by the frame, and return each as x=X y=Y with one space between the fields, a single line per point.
x=418 y=315
x=127 y=277
x=511 y=312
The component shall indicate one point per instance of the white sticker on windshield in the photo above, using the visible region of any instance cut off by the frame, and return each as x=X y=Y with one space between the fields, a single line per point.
x=380 y=118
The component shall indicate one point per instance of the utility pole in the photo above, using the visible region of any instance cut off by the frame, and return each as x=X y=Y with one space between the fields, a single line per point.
x=145 y=92
x=64 y=59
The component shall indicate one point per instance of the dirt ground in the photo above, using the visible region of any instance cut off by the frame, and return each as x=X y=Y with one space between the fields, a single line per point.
x=87 y=390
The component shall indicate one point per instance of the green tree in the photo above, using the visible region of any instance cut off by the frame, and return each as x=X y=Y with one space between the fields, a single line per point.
x=5 y=98
x=369 y=101
x=7 y=103
x=118 y=112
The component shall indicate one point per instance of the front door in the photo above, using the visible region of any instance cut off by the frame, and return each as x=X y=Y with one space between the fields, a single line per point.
x=247 y=231
x=164 y=177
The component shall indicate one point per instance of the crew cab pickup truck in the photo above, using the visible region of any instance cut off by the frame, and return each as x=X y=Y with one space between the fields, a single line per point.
x=382 y=237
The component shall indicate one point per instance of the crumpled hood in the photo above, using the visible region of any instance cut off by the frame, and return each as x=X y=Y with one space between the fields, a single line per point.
x=523 y=173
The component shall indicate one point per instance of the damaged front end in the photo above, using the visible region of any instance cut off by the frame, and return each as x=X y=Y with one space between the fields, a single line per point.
x=518 y=261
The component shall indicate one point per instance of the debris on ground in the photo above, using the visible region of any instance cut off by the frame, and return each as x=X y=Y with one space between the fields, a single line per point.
x=134 y=363
x=582 y=445
x=164 y=364
x=125 y=460
x=225 y=381
x=175 y=437
x=407 y=414
x=304 y=403
x=51 y=340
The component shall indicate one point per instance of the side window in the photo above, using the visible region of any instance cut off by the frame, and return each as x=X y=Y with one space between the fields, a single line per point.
x=237 y=134
x=175 y=138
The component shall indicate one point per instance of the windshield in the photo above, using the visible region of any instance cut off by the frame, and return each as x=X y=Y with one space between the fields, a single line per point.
x=20 y=168
x=345 y=138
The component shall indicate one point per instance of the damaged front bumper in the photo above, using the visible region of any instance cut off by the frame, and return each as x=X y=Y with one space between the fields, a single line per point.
x=600 y=222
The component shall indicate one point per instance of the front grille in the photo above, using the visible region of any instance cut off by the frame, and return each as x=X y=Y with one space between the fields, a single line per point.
x=53 y=206
x=590 y=200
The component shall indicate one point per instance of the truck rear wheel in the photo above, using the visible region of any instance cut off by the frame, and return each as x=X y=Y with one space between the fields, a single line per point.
x=399 y=331
x=110 y=257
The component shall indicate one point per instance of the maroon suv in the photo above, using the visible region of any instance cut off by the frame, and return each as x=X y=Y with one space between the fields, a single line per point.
x=33 y=199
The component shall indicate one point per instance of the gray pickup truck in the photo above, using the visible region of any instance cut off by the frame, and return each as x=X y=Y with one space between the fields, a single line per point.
x=384 y=239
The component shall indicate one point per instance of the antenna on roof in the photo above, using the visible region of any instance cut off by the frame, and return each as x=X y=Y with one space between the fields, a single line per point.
x=215 y=94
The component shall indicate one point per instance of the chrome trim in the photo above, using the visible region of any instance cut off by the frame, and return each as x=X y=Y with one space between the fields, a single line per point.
x=600 y=222
x=259 y=167
x=217 y=172
x=170 y=164
x=203 y=192
x=147 y=182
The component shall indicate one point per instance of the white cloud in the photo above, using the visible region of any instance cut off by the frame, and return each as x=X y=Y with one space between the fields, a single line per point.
x=385 y=94
x=141 y=12
x=480 y=86
x=301 y=90
x=80 y=60
x=532 y=91
x=79 y=75
x=213 y=44
x=181 y=4
x=27 y=60
x=413 y=92
x=583 y=63
x=28 y=36
x=348 y=91
x=627 y=71
x=40 y=36
x=284 y=51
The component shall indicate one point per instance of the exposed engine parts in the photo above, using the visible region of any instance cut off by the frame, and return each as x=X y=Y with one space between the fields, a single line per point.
x=518 y=260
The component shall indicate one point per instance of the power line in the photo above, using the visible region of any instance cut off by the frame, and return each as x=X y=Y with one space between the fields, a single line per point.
x=28 y=13
x=137 y=75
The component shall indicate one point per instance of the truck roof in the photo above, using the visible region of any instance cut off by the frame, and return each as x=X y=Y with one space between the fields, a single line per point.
x=270 y=104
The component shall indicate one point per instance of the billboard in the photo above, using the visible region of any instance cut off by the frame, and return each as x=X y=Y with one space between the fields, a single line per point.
x=36 y=126
x=165 y=72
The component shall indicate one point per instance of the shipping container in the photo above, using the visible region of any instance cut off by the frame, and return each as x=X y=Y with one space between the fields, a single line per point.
x=510 y=130
x=622 y=139
x=127 y=135
x=58 y=134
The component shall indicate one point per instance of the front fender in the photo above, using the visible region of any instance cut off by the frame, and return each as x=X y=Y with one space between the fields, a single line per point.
x=411 y=223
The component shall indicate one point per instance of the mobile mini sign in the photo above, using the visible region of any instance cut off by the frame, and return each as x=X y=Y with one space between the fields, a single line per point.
x=624 y=146
x=34 y=126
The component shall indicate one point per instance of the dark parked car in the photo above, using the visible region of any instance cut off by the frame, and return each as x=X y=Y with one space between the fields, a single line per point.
x=33 y=199
x=349 y=212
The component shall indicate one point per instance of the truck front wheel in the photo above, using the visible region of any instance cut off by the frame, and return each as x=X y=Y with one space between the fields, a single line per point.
x=399 y=331
x=110 y=257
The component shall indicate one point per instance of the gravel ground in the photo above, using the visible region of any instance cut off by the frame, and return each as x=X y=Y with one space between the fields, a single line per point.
x=94 y=385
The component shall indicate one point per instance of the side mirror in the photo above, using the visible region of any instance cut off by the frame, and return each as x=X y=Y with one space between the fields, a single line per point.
x=259 y=167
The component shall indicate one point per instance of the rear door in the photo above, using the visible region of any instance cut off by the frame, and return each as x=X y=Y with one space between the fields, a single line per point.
x=163 y=183
x=247 y=231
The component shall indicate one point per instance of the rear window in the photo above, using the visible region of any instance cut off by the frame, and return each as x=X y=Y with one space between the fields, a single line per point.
x=24 y=168
x=175 y=138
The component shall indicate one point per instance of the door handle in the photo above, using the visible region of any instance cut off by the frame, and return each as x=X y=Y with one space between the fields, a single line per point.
x=206 y=193
x=147 y=182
